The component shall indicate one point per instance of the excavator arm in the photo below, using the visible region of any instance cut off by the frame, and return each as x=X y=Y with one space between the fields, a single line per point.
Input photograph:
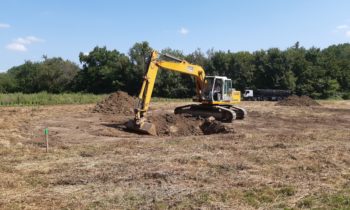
x=140 y=122
x=180 y=66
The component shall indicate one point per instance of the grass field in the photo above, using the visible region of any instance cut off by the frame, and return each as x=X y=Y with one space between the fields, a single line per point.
x=43 y=98
x=278 y=158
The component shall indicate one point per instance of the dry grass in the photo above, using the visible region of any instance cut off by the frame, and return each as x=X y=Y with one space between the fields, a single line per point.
x=279 y=158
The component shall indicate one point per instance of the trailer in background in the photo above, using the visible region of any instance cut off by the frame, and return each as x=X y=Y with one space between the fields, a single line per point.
x=265 y=95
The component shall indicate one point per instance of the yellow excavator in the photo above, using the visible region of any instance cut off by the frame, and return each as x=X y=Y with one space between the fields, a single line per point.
x=215 y=94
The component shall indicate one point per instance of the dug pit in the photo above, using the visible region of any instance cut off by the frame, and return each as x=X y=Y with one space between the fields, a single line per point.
x=185 y=125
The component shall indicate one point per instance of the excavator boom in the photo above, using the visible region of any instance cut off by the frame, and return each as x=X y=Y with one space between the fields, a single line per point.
x=180 y=66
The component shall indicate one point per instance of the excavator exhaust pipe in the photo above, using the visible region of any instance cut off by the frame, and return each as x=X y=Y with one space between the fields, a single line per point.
x=142 y=127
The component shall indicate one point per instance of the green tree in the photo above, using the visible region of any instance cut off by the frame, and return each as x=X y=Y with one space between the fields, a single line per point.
x=139 y=55
x=53 y=75
x=337 y=63
x=314 y=72
x=198 y=58
x=103 y=71
x=27 y=77
x=219 y=64
x=298 y=64
x=273 y=71
x=7 y=83
x=57 y=75
x=242 y=70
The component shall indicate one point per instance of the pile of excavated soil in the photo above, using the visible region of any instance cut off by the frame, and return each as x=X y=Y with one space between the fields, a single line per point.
x=212 y=127
x=117 y=103
x=182 y=125
x=294 y=100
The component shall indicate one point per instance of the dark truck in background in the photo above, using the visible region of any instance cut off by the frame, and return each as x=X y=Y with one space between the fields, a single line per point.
x=265 y=94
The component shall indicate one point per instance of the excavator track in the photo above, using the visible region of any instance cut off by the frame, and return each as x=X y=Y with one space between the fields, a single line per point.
x=224 y=113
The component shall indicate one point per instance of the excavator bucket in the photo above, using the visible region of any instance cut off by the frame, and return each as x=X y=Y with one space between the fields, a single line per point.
x=144 y=127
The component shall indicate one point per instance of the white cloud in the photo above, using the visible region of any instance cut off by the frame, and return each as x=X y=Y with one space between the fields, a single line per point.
x=342 y=27
x=17 y=47
x=4 y=25
x=347 y=33
x=20 y=44
x=28 y=40
x=184 y=31
x=343 y=30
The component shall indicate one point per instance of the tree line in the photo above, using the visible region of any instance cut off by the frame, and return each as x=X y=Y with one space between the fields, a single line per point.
x=319 y=73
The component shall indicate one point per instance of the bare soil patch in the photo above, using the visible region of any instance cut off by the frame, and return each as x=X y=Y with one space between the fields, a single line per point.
x=175 y=125
x=279 y=157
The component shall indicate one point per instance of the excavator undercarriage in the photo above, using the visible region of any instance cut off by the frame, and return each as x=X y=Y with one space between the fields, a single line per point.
x=224 y=113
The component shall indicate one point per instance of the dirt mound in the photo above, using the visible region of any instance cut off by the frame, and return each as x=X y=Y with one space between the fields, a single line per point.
x=117 y=103
x=183 y=125
x=212 y=127
x=295 y=100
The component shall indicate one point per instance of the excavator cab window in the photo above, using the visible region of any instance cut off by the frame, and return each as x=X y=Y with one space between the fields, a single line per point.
x=218 y=88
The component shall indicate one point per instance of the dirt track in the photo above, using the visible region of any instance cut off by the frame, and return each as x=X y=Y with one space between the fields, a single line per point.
x=279 y=157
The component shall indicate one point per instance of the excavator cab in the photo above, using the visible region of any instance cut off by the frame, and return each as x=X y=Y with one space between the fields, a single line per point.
x=219 y=89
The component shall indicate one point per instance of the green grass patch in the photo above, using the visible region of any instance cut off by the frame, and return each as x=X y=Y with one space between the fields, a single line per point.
x=257 y=197
x=339 y=200
x=43 y=98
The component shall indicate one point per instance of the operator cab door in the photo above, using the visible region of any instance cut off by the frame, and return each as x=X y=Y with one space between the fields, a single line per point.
x=218 y=89
x=227 y=90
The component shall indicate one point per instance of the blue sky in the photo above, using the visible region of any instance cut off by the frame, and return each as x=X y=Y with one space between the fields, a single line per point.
x=32 y=28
